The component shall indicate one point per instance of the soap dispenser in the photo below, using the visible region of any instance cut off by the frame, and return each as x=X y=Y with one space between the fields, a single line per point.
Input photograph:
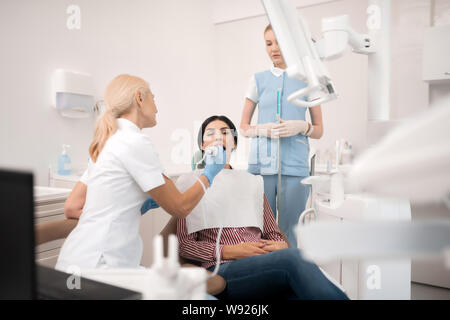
x=64 y=162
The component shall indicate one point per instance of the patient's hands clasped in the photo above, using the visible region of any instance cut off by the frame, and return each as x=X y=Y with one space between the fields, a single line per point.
x=271 y=245
x=249 y=249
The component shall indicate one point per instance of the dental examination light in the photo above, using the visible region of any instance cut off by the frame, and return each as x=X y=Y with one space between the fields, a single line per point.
x=338 y=35
x=304 y=58
x=299 y=52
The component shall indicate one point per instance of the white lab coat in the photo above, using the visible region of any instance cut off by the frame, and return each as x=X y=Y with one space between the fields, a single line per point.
x=107 y=234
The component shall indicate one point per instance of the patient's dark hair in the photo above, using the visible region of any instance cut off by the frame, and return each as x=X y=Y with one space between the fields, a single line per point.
x=205 y=123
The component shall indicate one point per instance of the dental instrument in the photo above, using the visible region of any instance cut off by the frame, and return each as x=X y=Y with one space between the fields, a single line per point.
x=211 y=151
x=279 y=159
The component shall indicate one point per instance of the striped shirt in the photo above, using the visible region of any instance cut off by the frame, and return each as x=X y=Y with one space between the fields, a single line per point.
x=201 y=245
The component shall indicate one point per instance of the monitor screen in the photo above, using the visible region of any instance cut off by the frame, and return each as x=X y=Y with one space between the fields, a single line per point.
x=17 y=270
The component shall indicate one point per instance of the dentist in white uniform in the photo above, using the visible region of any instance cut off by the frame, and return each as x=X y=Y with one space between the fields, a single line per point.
x=124 y=170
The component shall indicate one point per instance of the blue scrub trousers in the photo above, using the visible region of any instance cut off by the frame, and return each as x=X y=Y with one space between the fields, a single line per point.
x=293 y=201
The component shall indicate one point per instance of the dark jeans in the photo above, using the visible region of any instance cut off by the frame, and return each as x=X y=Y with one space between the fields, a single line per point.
x=282 y=274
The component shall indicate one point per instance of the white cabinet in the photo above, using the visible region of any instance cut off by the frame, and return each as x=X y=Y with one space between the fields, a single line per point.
x=49 y=206
x=365 y=278
x=372 y=279
x=436 y=54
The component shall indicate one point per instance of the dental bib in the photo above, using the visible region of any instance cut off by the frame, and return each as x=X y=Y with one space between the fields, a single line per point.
x=235 y=199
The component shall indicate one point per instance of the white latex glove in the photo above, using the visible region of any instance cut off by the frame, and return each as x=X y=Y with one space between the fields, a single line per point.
x=267 y=130
x=262 y=130
x=289 y=128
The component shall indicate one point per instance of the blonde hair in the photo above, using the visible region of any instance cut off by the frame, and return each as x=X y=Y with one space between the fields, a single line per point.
x=119 y=98
x=269 y=27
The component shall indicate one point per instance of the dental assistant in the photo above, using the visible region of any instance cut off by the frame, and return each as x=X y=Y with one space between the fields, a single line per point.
x=124 y=170
x=268 y=90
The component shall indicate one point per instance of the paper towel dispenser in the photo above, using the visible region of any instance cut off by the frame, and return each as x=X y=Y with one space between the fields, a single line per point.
x=73 y=93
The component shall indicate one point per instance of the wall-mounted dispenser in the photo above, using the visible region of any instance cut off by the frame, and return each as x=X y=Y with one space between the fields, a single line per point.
x=73 y=93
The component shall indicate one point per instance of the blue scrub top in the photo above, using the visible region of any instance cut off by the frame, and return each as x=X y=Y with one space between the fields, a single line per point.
x=294 y=150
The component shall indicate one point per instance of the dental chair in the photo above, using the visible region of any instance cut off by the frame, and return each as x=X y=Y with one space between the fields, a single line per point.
x=54 y=230
x=214 y=285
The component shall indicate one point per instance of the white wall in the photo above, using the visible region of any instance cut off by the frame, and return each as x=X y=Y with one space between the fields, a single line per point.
x=166 y=42
x=224 y=11
x=195 y=68
x=409 y=92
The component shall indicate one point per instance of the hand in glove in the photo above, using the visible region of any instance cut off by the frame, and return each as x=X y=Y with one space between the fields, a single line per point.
x=267 y=130
x=289 y=128
x=148 y=205
x=262 y=130
x=214 y=164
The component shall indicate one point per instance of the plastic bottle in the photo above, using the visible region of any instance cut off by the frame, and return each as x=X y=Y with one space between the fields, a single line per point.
x=64 y=162
x=347 y=155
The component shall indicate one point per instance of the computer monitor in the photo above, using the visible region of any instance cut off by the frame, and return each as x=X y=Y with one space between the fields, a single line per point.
x=17 y=267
